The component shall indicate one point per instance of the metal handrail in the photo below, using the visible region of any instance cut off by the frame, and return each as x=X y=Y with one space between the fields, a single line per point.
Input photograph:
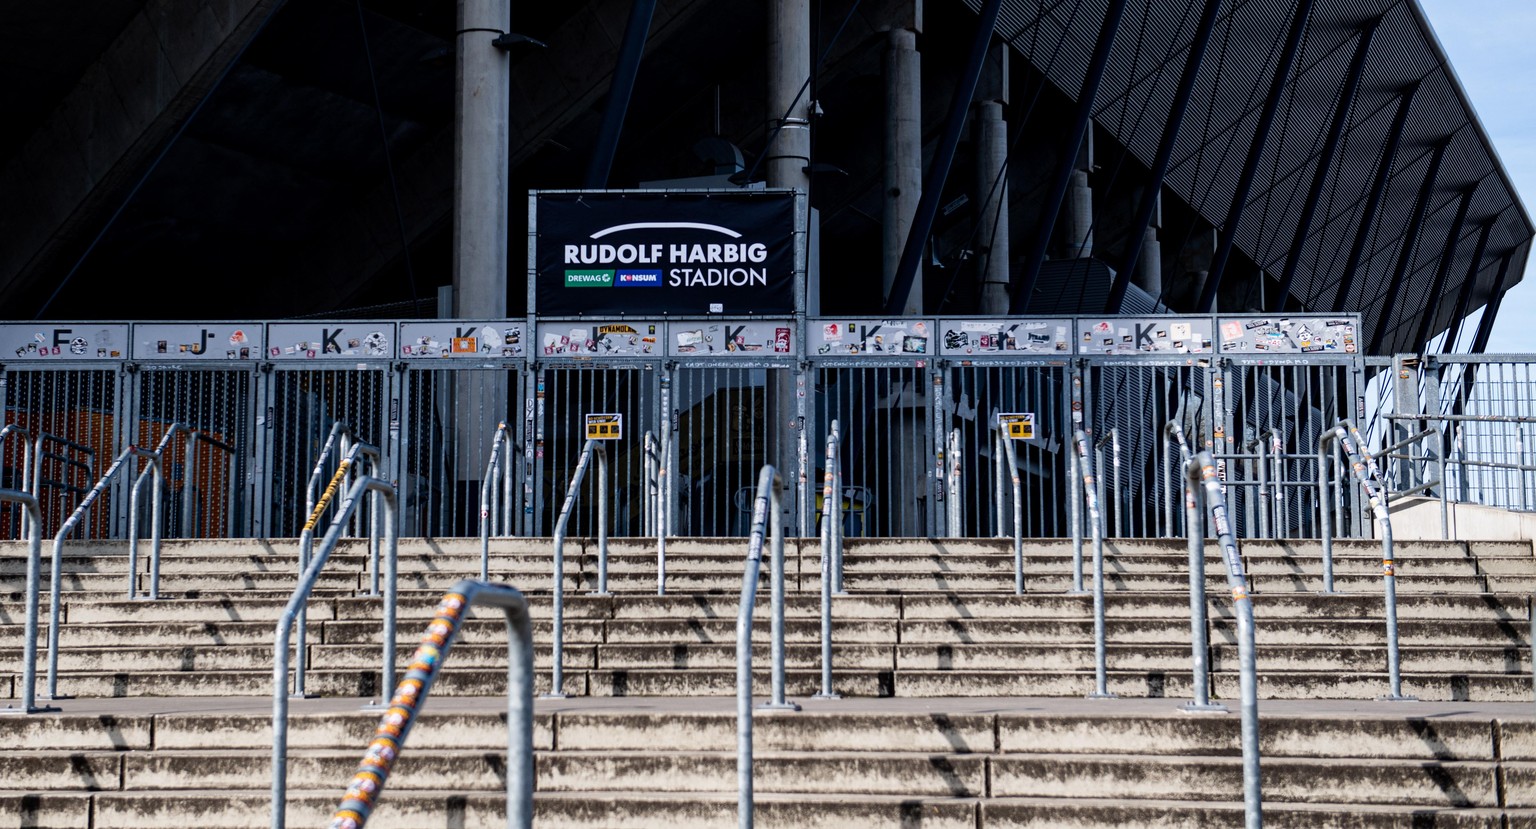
x=1005 y=448
x=367 y=785
x=1199 y=642
x=33 y=510
x=56 y=582
x=1095 y=522
x=831 y=538
x=342 y=440
x=44 y=438
x=188 y=512
x=592 y=447
x=1268 y=444
x=500 y=461
x=1361 y=463
x=27 y=474
x=295 y=607
x=1198 y=472
x=651 y=460
x=765 y=510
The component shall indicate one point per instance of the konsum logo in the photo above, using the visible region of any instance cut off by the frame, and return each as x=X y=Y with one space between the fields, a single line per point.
x=729 y=262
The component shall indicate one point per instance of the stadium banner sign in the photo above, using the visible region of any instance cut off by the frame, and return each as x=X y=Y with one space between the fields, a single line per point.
x=74 y=341
x=176 y=342
x=463 y=340
x=608 y=253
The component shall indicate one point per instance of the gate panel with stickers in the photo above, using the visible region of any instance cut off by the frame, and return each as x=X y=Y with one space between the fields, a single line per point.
x=732 y=411
x=463 y=379
x=1021 y=369
x=62 y=382
x=877 y=379
x=585 y=367
x=202 y=377
x=1140 y=373
x=322 y=372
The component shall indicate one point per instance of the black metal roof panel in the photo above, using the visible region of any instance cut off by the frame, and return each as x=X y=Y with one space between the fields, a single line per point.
x=1058 y=36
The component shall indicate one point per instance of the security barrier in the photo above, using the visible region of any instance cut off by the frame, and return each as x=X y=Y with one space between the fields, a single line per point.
x=721 y=397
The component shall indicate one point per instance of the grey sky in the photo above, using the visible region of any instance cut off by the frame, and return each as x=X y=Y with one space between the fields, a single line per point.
x=1489 y=44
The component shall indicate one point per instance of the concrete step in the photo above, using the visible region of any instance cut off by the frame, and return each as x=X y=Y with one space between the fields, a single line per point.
x=1094 y=813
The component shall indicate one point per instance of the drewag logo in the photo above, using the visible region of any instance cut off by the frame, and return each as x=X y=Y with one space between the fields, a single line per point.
x=588 y=279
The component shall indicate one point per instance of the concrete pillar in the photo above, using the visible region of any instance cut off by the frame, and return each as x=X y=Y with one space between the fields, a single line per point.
x=480 y=161
x=903 y=157
x=1149 y=266
x=992 y=194
x=1079 y=243
x=789 y=64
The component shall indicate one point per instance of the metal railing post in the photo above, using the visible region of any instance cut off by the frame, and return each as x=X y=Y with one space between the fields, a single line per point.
x=1198 y=472
x=592 y=446
x=837 y=527
x=367 y=784
x=1091 y=500
x=956 y=517
x=1361 y=463
x=27 y=459
x=765 y=510
x=1325 y=454
x=828 y=493
x=32 y=509
x=1075 y=519
x=486 y=501
x=294 y=610
x=1199 y=638
x=155 y=470
x=602 y=521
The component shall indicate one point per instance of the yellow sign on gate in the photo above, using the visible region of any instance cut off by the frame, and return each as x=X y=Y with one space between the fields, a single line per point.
x=1018 y=425
x=605 y=426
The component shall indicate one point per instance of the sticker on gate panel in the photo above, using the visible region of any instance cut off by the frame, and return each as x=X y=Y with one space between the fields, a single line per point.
x=1017 y=425
x=69 y=341
x=605 y=426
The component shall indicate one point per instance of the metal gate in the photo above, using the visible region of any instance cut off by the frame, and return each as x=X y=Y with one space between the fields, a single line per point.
x=976 y=393
x=207 y=473
x=564 y=394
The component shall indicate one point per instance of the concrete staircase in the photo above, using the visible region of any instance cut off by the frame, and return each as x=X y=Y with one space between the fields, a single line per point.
x=963 y=702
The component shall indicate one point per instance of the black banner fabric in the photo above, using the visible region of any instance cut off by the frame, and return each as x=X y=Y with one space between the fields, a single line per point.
x=665 y=253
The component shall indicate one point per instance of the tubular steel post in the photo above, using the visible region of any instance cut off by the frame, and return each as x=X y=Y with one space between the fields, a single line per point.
x=1011 y=455
x=602 y=521
x=294 y=608
x=1199 y=641
x=486 y=482
x=367 y=785
x=648 y=452
x=828 y=520
x=153 y=469
x=1325 y=453
x=34 y=521
x=1100 y=670
x=1261 y=446
x=1202 y=471
x=765 y=509
x=998 y=530
x=1277 y=483
x=1074 y=488
x=591 y=447
x=1375 y=495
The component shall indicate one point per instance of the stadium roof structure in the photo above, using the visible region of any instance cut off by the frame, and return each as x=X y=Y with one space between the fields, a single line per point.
x=1406 y=126
x=300 y=155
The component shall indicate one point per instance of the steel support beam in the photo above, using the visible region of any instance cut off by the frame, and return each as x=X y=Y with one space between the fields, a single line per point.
x=1464 y=298
x=619 y=91
x=1148 y=204
x=1410 y=246
x=1325 y=161
x=1437 y=287
x=1373 y=201
x=1277 y=87
x=943 y=157
x=1024 y=286
x=1491 y=310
